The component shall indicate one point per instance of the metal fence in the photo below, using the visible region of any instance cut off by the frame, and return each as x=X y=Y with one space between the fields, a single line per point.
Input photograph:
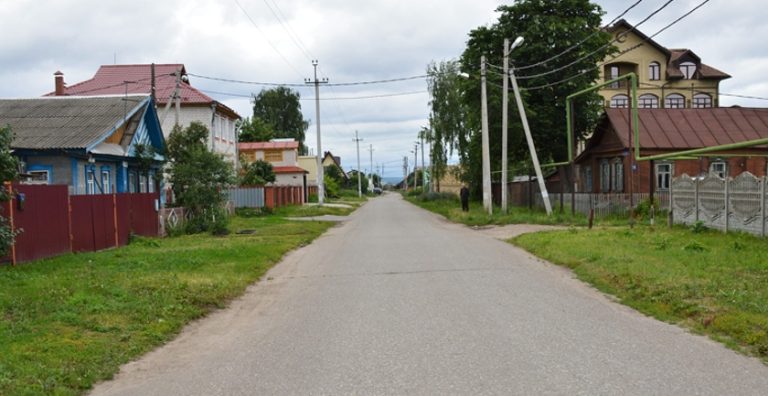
x=247 y=197
x=732 y=204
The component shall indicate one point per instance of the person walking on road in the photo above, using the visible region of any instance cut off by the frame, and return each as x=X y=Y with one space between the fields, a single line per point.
x=464 y=195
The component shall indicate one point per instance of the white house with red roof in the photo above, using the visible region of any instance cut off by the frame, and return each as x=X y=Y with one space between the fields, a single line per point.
x=284 y=157
x=190 y=105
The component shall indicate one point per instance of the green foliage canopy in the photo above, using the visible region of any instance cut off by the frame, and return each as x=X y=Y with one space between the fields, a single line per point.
x=255 y=130
x=9 y=166
x=279 y=108
x=257 y=173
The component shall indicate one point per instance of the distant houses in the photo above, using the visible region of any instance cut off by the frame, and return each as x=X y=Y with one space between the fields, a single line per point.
x=284 y=157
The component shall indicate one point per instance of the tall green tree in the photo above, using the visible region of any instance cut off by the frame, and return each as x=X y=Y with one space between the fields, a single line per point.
x=255 y=130
x=257 y=173
x=549 y=28
x=9 y=166
x=198 y=177
x=280 y=109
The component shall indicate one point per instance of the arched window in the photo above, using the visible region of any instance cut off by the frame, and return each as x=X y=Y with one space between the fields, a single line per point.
x=648 y=101
x=674 y=101
x=701 y=101
x=688 y=69
x=654 y=71
x=619 y=101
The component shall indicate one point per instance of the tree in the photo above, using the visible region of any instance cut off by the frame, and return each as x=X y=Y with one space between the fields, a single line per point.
x=9 y=166
x=333 y=172
x=255 y=130
x=257 y=173
x=448 y=131
x=280 y=109
x=549 y=28
x=198 y=177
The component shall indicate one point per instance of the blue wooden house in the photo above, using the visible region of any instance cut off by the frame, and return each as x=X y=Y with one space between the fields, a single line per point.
x=88 y=143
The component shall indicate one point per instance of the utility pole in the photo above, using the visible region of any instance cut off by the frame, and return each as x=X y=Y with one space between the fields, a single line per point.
x=320 y=186
x=359 y=187
x=415 y=164
x=504 y=122
x=531 y=147
x=423 y=166
x=370 y=175
x=486 y=151
x=405 y=172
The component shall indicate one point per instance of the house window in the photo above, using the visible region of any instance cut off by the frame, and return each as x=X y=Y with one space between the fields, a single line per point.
x=654 y=71
x=38 y=177
x=648 y=101
x=588 y=178
x=142 y=183
x=105 y=182
x=701 y=101
x=273 y=155
x=614 y=74
x=605 y=176
x=90 y=177
x=663 y=176
x=674 y=101
x=718 y=168
x=151 y=183
x=620 y=101
x=688 y=69
x=132 y=182
x=618 y=175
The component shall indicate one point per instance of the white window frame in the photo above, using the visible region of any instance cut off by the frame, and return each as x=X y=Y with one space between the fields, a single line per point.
x=648 y=101
x=688 y=69
x=619 y=101
x=617 y=175
x=663 y=176
x=679 y=101
x=701 y=101
x=106 y=183
x=654 y=71
x=90 y=181
x=142 y=183
x=718 y=168
x=41 y=176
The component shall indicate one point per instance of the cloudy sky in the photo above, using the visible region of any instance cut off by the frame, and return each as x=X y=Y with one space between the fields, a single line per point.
x=354 y=41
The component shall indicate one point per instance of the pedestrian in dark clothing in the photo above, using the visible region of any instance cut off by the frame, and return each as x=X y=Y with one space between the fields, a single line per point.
x=464 y=195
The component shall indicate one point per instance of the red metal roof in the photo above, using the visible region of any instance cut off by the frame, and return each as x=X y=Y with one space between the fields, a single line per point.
x=267 y=145
x=111 y=80
x=288 y=169
x=692 y=128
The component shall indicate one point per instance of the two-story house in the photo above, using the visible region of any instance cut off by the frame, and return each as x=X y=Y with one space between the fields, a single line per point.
x=667 y=78
x=177 y=100
x=284 y=157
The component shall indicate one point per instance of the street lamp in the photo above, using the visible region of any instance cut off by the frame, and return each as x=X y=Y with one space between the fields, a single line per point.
x=504 y=121
x=528 y=138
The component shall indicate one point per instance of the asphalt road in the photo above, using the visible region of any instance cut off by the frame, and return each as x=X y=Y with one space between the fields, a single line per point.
x=397 y=301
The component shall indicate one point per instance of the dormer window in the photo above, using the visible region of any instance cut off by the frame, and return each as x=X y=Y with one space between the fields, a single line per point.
x=688 y=69
x=654 y=71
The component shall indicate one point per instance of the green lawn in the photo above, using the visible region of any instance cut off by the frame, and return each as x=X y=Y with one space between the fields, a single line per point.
x=70 y=321
x=709 y=282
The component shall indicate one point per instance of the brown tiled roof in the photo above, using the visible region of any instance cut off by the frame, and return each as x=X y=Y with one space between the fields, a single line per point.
x=267 y=145
x=288 y=169
x=668 y=129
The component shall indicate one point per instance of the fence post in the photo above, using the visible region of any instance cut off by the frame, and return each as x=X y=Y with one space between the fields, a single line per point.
x=69 y=224
x=696 y=198
x=10 y=220
x=727 y=202
x=114 y=217
x=762 y=206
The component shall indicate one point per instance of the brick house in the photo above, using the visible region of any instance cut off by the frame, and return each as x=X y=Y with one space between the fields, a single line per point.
x=604 y=164
x=284 y=157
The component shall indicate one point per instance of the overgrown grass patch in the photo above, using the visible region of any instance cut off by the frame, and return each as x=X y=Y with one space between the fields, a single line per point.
x=709 y=282
x=70 y=321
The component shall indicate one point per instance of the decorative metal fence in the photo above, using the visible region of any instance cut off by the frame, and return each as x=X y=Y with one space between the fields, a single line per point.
x=732 y=204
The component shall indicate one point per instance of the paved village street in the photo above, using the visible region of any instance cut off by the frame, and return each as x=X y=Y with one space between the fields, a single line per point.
x=398 y=301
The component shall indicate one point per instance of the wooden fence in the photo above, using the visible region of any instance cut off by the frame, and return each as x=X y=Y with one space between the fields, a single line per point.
x=51 y=222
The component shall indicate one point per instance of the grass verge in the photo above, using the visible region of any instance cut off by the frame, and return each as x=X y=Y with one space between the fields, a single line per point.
x=70 y=321
x=706 y=281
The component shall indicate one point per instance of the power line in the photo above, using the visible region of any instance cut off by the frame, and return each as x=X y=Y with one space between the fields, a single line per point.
x=386 y=81
x=328 y=98
x=571 y=48
x=743 y=96
x=295 y=38
x=546 y=73
x=267 y=38
x=619 y=54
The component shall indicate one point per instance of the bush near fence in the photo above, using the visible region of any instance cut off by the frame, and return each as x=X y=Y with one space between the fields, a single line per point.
x=51 y=222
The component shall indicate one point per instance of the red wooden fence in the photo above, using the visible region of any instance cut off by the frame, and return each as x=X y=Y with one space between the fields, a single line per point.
x=53 y=222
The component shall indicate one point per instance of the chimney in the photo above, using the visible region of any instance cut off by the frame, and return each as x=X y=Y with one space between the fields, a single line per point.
x=59 y=79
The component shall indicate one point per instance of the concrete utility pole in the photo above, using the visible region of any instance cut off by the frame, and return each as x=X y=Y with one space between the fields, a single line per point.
x=423 y=167
x=487 y=205
x=405 y=172
x=504 y=122
x=320 y=185
x=370 y=175
x=359 y=186
x=527 y=129
x=415 y=164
